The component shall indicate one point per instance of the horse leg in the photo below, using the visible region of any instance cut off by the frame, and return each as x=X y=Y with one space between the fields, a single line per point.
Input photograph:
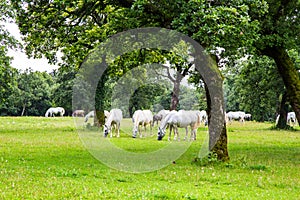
x=118 y=130
x=111 y=130
x=139 y=130
x=145 y=129
x=175 y=130
x=193 y=133
x=169 y=138
x=151 y=129
x=186 y=133
x=177 y=133
x=242 y=120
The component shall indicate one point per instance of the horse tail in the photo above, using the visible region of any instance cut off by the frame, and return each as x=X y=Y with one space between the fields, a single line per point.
x=62 y=111
x=47 y=113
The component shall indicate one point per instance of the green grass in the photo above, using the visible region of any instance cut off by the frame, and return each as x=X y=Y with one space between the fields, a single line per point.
x=44 y=158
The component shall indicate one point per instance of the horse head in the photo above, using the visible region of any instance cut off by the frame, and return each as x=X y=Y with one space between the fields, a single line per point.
x=160 y=134
x=134 y=131
x=106 y=130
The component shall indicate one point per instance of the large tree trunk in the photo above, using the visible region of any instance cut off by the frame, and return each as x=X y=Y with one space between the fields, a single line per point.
x=100 y=99
x=220 y=146
x=289 y=75
x=99 y=118
x=282 y=123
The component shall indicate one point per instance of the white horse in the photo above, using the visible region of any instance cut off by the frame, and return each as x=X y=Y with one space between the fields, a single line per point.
x=51 y=112
x=92 y=114
x=89 y=115
x=114 y=120
x=238 y=115
x=180 y=119
x=290 y=119
x=78 y=113
x=159 y=116
x=143 y=118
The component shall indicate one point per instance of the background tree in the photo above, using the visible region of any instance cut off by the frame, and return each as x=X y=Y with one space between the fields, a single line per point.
x=279 y=31
x=63 y=89
x=8 y=89
x=254 y=89
x=7 y=73
x=34 y=91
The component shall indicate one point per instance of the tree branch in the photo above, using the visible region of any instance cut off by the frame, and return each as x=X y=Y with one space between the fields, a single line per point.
x=169 y=76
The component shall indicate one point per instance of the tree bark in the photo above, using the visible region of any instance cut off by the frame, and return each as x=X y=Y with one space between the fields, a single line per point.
x=175 y=95
x=220 y=146
x=289 y=74
x=282 y=123
x=99 y=118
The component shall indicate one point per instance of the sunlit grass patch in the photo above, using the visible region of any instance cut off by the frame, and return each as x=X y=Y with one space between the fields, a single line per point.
x=44 y=158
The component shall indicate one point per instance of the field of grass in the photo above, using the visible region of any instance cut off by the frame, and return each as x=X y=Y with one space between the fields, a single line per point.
x=44 y=158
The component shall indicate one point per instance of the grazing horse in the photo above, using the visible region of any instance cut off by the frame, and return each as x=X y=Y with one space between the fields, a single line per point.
x=238 y=115
x=143 y=118
x=159 y=116
x=89 y=115
x=114 y=120
x=78 y=113
x=180 y=119
x=51 y=112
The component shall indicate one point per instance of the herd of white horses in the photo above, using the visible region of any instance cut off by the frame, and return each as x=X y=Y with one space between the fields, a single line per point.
x=163 y=119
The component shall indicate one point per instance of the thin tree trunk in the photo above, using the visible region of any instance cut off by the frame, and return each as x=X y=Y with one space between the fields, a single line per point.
x=289 y=74
x=175 y=95
x=23 y=110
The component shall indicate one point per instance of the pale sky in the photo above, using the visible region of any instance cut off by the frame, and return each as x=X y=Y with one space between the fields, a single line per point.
x=21 y=61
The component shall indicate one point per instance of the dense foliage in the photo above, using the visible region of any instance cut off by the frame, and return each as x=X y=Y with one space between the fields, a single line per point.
x=255 y=89
x=32 y=93
x=6 y=41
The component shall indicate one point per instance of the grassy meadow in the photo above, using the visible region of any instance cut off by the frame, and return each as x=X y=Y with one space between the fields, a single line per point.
x=44 y=158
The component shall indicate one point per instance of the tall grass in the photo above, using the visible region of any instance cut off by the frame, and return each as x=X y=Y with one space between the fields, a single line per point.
x=44 y=158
